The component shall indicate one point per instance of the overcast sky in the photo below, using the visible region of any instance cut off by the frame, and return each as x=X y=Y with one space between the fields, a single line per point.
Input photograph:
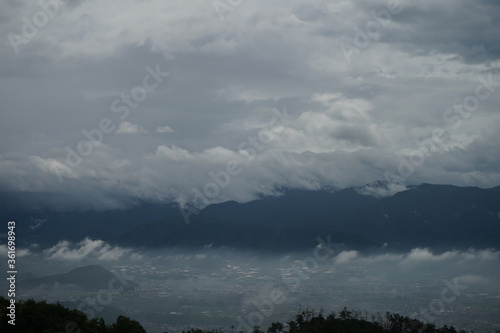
x=262 y=94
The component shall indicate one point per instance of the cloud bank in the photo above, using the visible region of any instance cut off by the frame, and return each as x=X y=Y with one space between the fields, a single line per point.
x=148 y=101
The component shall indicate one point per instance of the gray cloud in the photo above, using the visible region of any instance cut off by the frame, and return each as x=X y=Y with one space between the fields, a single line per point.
x=350 y=123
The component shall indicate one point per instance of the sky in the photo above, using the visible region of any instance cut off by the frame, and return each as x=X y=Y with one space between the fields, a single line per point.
x=106 y=102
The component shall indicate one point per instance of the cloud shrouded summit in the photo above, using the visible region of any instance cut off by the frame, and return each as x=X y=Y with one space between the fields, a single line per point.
x=108 y=101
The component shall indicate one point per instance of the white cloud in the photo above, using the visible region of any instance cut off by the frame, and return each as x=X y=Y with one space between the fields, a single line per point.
x=3 y=250
x=23 y=253
x=164 y=129
x=172 y=153
x=346 y=256
x=424 y=256
x=20 y=252
x=381 y=189
x=87 y=248
x=52 y=166
x=129 y=128
x=421 y=255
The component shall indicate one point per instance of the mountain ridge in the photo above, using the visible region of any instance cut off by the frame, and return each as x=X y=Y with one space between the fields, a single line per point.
x=365 y=217
x=426 y=215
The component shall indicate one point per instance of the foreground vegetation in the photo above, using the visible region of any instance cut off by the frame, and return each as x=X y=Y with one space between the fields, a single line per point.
x=348 y=322
x=41 y=317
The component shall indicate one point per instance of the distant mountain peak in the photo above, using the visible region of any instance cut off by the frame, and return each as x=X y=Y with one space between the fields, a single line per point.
x=381 y=189
x=89 y=269
x=90 y=277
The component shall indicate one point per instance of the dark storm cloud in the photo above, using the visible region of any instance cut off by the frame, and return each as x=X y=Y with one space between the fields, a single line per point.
x=461 y=28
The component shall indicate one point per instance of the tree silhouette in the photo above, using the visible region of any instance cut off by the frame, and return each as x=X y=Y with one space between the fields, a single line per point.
x=40 y=317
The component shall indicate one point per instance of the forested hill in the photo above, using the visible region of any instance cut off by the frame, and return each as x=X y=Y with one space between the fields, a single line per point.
x=40 y=317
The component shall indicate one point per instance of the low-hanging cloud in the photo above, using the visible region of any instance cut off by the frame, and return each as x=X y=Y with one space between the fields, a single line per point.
x=346 y=256
x=379 y=190
x=20 y=252
x=423 y=258
x=86 y=249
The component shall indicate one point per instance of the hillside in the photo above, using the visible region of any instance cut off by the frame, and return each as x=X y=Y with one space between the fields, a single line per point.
x=89 y=278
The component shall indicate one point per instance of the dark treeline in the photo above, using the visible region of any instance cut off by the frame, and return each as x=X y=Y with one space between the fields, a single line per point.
x=348 y=322
x=41 y=317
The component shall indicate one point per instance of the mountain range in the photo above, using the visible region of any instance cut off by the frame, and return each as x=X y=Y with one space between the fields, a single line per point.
x=434 y=216
x=375 y=216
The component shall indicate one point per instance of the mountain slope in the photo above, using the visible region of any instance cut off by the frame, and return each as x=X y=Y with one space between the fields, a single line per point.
x=46 y=226
x=174 y=232
x=89 y=278
x=295 y=208
x=435 y=216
